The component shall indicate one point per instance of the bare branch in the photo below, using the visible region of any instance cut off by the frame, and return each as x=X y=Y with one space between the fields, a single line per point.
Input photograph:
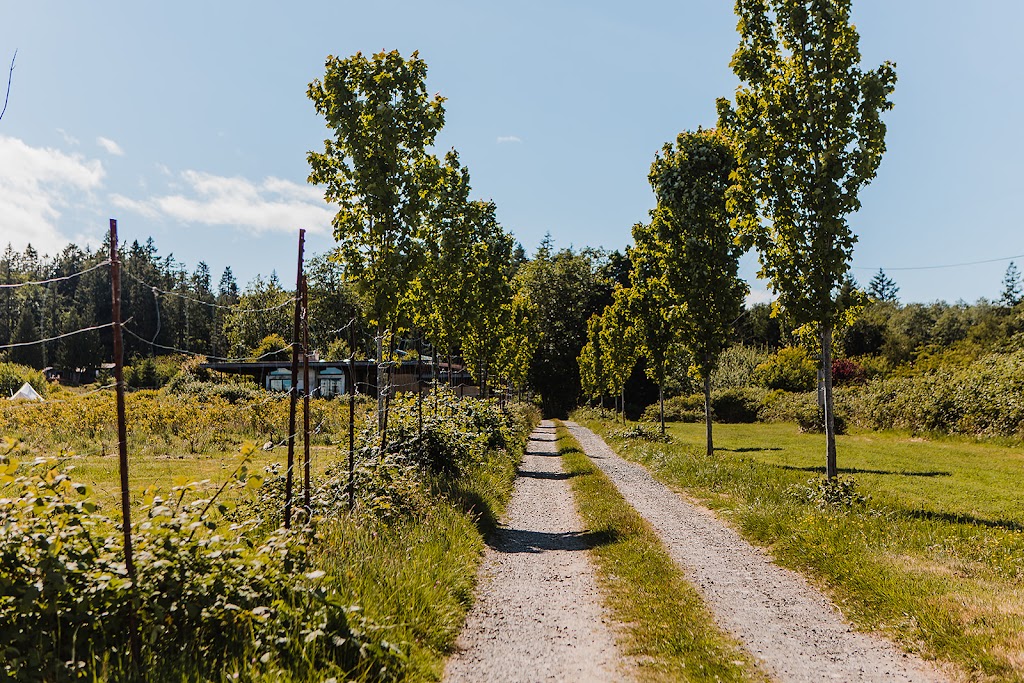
x=10 y=76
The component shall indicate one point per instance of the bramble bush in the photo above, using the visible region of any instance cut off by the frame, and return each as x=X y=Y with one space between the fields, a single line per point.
x=221 y=589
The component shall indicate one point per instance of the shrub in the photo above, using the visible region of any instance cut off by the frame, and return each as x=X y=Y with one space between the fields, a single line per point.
x=789 y=370
x=205 y=599
x=677 y=409
x=847 y=371
x=737 y=406
x=736 y=366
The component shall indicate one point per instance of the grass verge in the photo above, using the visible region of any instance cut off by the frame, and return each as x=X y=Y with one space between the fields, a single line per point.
x=925 y=542
x=669 y=632
x=414 y=577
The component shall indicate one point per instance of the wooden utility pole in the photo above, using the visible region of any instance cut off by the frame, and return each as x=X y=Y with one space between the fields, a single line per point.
x=122 y=432
x=296 y=345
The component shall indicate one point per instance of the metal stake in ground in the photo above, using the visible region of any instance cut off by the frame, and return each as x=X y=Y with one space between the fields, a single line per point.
x=296 y=345
x=352 y=416
x=122 y=431
x=305 y=395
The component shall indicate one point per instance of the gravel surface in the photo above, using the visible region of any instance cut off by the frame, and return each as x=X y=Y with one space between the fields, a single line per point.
x=784 y=622
x=538 y=614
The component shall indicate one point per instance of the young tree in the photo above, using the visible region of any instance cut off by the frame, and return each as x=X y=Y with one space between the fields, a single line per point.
x=652 y=309
x=442 y=291
x=383 y=121
x=808 y=134
x=1011 y=295
x=592 y=379
x=698 y=249
x=883 y=288
x=490 y=291
x=618 y=345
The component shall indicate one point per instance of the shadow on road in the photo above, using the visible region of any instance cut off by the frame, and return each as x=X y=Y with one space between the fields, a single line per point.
x=522 y=541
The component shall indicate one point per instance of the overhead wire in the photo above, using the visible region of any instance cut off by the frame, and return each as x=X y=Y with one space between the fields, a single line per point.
x=16 y=285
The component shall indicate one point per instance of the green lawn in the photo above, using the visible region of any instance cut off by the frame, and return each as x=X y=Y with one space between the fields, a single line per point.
x=934 y=557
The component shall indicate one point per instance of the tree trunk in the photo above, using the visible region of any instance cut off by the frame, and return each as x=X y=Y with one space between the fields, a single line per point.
x=380 y=380
x=831 y=469
x=707 y=412
x=661 y=398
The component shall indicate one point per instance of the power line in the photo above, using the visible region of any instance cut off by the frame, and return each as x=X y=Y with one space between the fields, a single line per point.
x=50 y=339
x=236 y=307
x=196 y=354
x=948 y=265
x=55 y=279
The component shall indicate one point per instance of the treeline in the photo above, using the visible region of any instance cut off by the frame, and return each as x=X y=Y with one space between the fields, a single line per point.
x=167 y=307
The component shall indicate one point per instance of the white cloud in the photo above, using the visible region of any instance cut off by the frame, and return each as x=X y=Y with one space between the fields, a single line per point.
x=68 y=137
x=35 y=184
x=111 y=146
x=759 y=296
x=273 y=205
x=505 y=139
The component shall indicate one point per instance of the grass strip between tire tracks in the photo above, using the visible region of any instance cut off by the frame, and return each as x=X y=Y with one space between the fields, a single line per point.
x=667 y=631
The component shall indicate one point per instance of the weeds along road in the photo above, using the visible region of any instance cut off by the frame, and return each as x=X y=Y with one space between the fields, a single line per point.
x=790 y=627
x=538 y=613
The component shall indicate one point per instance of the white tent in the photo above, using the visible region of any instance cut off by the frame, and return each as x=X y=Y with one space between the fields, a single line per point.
x=26 y=393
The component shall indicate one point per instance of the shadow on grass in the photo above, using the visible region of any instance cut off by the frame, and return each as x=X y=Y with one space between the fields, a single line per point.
x=477 y=506
x=553 y=476
x=523 y=541
x=959 y=518
x=750 y=449
x=858 y=470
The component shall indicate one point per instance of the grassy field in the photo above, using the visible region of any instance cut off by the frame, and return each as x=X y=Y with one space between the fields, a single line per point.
x=927 y=545
x=668 y=631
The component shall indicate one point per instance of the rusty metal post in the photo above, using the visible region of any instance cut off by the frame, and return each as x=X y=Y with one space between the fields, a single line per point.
x=122 y=432
x=296 y=344
x=352 y=416
x=305 y=395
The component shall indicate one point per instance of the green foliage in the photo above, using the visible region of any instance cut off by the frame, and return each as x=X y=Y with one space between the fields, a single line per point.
x=262 y=311
x=272 y=347
x=883 y=288
x=789 y=370
x=697 y=249
x=618 y=342
x=562 y=290
x=205 y=600
x=688 y=408
x=736 y=366
x=13 y=375
x=382 y=122
x=732 y=406
x=808 y=134
x=983 y=397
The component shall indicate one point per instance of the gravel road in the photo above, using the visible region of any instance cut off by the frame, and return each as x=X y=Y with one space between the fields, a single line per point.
x=538 y=614
x=792 y=628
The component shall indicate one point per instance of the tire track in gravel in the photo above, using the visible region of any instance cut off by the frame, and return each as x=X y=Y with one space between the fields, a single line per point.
x=784 y=622
x=538 y=613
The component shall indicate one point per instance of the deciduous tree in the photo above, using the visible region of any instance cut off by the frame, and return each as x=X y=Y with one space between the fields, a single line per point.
x=698 y=248
x=382 y=121
x=809 y=135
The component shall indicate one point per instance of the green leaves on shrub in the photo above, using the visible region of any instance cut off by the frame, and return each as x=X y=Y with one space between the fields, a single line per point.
x=791 y=369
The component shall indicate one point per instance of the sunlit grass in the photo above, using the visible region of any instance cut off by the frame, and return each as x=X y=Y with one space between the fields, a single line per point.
x=934 y=558
x=668 y=631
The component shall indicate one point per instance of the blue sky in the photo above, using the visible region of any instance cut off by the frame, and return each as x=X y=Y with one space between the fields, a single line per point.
x=189 y=123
